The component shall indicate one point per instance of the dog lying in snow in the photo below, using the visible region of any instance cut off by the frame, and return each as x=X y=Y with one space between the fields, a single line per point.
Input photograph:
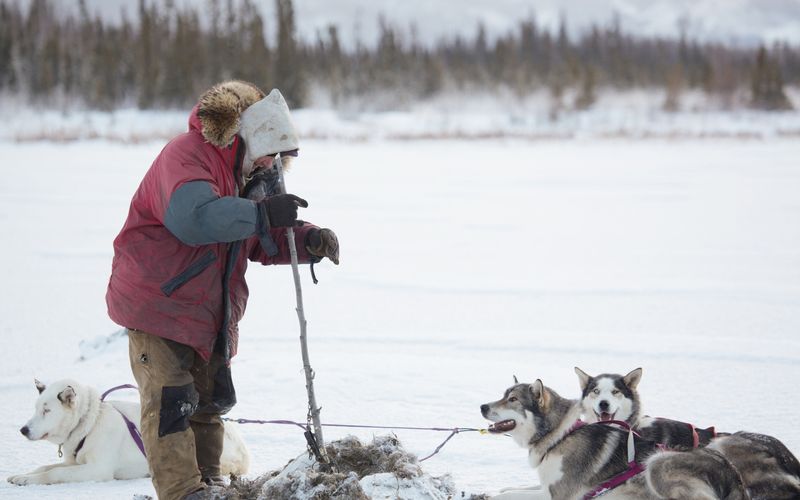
x=94 y=438
x=578 y=460
x=769 y=470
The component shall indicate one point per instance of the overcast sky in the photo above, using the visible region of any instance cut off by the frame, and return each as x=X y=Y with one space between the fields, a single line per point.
x=740 y=21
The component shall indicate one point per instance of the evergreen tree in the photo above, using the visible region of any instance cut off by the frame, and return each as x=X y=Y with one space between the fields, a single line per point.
x=288 y=72
x=388 y=61
x=176 y=84
x=767 y=84
x=256 y=58
x=674 y=87
x=587 y=96
x=335 y=65
x=528 y=53
x=213 y=42
x=49 y=69
x=6 y=46
x=432 y=76
x=146 y=53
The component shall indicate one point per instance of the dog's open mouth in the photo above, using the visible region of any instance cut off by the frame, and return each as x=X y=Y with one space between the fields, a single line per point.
x=604 y=416
x=502 y=426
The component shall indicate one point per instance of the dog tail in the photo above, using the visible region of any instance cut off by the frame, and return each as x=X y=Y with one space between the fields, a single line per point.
x=774 y=446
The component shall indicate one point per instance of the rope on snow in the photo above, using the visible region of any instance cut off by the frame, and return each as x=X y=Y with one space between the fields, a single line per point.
x=453 y=431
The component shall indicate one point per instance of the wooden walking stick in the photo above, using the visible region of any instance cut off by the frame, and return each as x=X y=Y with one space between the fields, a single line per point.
x=315 y=442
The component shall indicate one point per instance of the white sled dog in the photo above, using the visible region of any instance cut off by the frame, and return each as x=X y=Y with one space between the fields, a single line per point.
x=577 y=460
x=769 y=470
x=94 y=438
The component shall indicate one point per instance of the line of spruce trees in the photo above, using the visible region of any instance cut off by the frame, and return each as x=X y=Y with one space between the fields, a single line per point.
x=166 y=56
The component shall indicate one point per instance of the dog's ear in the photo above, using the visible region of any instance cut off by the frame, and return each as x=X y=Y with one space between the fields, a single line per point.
x=39 y=386
x=540 y=394
x=515 y=380
x=67 y=396
x=583 y=377
x=632 y=379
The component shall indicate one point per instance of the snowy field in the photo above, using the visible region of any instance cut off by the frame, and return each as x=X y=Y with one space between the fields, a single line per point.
x=468 y=115
x=463 y=263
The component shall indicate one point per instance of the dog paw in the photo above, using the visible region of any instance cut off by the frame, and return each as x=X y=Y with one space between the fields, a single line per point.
x=24 y=479
x=19 y=479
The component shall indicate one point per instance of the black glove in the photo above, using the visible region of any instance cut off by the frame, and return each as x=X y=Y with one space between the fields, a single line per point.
x=261 y=185
x=282 y=209
x=323 y=243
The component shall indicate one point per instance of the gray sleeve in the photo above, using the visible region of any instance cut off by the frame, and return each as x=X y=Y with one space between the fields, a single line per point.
x=197 y=216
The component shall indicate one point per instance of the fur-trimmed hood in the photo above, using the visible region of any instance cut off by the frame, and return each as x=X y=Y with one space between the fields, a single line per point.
x=220 y=109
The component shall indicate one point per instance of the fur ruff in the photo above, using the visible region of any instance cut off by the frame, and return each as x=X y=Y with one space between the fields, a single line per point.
x=221 y=109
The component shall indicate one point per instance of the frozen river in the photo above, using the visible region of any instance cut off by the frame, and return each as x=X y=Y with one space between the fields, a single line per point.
x=463 y=264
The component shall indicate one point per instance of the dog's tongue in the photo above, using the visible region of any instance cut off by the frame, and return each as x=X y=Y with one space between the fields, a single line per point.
x=503 y=426
x=605 y=416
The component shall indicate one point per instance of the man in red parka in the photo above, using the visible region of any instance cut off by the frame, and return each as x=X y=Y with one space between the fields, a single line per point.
x=177 y=281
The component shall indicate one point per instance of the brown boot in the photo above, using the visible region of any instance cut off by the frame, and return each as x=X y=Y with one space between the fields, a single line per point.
x=208 y=493
x=215 y=480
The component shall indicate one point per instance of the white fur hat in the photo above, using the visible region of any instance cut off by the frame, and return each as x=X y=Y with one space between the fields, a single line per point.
x=267 y=128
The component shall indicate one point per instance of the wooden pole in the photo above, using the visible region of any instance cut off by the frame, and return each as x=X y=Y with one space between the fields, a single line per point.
x=312 y=400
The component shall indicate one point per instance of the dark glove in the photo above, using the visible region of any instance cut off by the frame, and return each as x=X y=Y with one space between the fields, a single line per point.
x=323 y=243
x=261 y=185
x=282 y=209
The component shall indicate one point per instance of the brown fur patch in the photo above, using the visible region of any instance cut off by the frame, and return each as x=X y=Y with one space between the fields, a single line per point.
x=221 y=107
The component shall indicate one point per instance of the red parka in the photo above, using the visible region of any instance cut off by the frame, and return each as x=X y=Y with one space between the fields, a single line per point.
x=186 y=243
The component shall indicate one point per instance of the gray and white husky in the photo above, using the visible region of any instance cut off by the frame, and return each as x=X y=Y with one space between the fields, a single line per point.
x=769 y=470
x=575 y=461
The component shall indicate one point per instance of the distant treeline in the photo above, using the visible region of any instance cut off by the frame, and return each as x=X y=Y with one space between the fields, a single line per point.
x=167 y=56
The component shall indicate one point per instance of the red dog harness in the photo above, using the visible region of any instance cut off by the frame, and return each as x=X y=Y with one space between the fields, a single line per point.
x=633 y=469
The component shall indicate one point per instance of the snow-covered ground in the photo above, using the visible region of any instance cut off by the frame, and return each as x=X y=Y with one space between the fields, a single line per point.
x=451 y=115
x=463 y=263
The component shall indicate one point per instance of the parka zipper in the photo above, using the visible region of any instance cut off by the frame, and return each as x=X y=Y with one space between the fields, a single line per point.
x=223 y=341
x=194 y=269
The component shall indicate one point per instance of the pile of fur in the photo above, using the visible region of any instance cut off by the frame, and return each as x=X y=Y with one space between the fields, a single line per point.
x=381 y=469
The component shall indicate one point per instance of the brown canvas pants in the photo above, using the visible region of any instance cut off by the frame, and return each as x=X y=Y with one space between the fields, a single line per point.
x=182 y=399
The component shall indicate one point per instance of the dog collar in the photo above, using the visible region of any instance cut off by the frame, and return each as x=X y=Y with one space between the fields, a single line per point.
x=77 y=449
x=80 y=444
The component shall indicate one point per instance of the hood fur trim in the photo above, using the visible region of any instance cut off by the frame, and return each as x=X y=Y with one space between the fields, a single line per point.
x=221 y=108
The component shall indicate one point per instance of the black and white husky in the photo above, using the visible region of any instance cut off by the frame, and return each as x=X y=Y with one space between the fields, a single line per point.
x=614 y=397
x=769 y=470
x=577 y=461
